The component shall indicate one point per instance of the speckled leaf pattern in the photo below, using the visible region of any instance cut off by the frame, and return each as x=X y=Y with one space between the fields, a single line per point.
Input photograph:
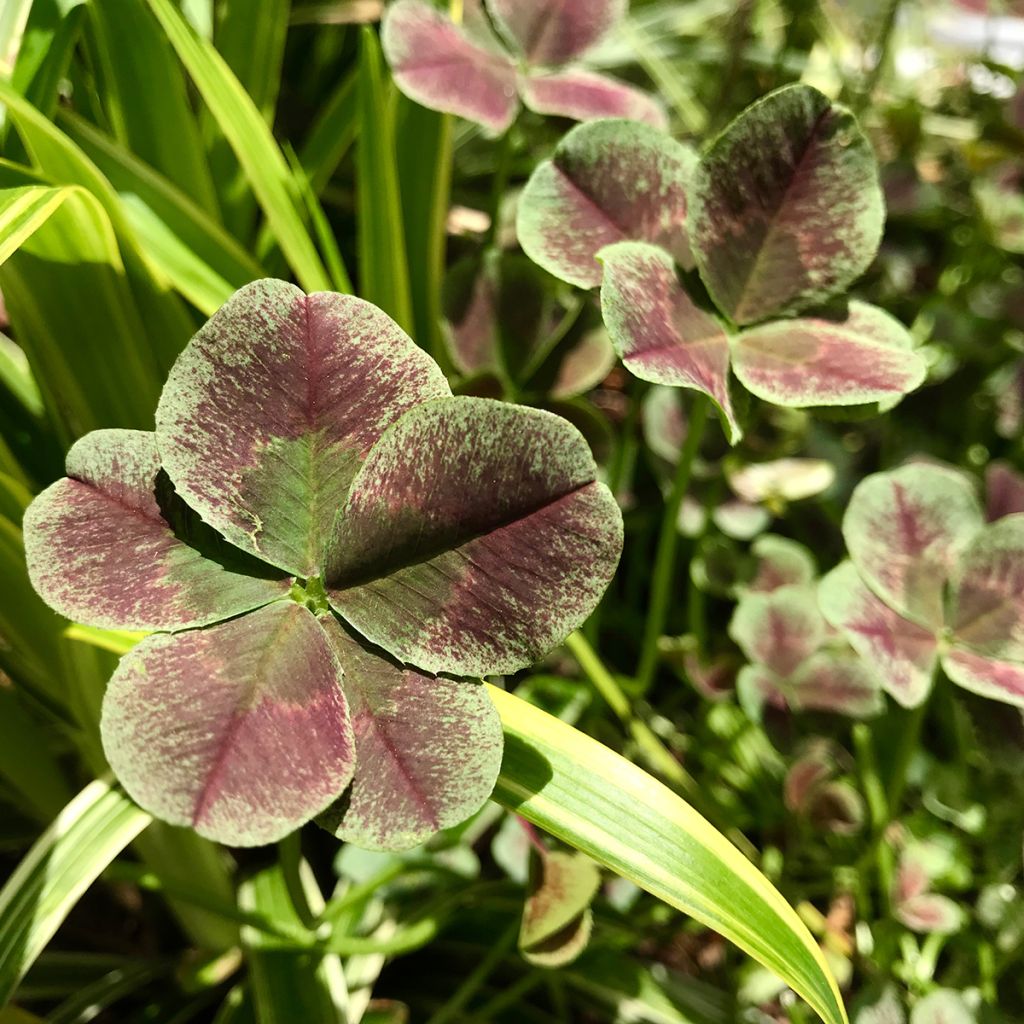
x=100 y=551
x=437 y=64
x=270 y=409
x=556 y=919
x=988 y=603
x=658 y=330
x=779 y=629
x=240 y=730
x=1004 y=491
x=608 y=181
x=905 y=530
x=901 y=653
x=551 y=32
x=780 y=561
x=428 y=750
x=837 y=682
x=586 y=96
x=786 y=207
x=989 y=677
x=865 y=356
x=475 y=538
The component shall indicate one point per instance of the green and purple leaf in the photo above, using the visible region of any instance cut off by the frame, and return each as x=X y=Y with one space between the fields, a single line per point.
x=269 y=411
x=585 y=365
x=905 y=531
x=988 y=603
x=587 y=96
x=786 y=206
x=557 y=917
x=553 y=32
x=781 y=479
x=475 y=538
x=899 y=652
x=839 y=682
x=781 y=561
x=812 y=769
x=928 y=913
x=100 y=550
x=658 y=330
x=865 y=356
x=779 y=629
x=757 y=686
x=664 y=422
x=428 y=750
x=989 y=677
x=1004 y=491
x=439 y=65
x=240 y=730
x=608 y=181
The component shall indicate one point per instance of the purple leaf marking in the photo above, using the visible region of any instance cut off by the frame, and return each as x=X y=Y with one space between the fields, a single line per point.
x=475 y=538
x=240 y=730
x=779 y=629
x=272 y=406
x=100 y=551
x=586 y=96
x=553 y=32
x=999 y=680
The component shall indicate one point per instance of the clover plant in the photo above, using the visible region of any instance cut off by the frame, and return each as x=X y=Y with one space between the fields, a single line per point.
x=929 y=583
x=780 y=215
x=320 y=537
x=482 y=73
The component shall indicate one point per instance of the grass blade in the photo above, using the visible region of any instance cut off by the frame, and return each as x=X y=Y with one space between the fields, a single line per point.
x=250 y=138
x=592 y=798
x=87 y=835
x=22 y=211
x=333 y=132
x=383 y=269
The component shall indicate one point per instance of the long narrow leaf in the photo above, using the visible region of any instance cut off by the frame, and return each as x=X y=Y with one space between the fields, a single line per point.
x=251 y=139
x=87 y=835
x=592 y=798
x=22 y=210
x=333 y=132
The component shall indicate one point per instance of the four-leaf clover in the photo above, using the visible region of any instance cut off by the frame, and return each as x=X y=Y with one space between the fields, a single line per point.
x=315 y=531
x=929 y=581
x=781 y=214
x=465 y=70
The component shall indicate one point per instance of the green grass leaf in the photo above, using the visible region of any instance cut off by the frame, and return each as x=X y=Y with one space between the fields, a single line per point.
x=597 y=801
x=22 y=210
x=88 y=834
x=242 y=124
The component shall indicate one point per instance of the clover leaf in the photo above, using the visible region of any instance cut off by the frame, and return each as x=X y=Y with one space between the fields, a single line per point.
x=780 y=215
x=316 y=530
x=928 y=582
x=468 y=71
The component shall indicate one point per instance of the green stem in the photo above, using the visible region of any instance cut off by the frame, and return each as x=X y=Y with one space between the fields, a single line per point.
x=909 y=738
x=338 y=906
x=476 y=979
x=668 y=539
x=882 y=56
x=659 y=758
x=508 y=997
x=498 y=184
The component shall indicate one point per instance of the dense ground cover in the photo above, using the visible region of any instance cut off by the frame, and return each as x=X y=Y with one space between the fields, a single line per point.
x=511 y=511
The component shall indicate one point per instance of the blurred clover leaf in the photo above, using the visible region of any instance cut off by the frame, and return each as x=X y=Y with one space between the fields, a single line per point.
x=482 y=75
x=316 y=530
x=780 y=216
x=928 y=582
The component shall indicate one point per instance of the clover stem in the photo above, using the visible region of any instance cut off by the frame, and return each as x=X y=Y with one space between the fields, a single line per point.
x=658 y=756
x=668 y=538
x=499 y=183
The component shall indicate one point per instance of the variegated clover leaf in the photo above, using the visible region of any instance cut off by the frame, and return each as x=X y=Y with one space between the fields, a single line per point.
x=316 y=531
x=507 y=52
x=780 y=216
x=795 y=660
x=929 y=582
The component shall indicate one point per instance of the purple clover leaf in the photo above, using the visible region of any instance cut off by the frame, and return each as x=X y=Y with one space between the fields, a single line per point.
x=470 y=71
x=317 y=531
x=781 y=215
x=928 y=581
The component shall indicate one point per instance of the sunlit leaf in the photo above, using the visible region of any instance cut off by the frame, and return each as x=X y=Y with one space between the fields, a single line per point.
x=608 y=181
x=930 y=912
x=101 y=550
x=586 y=96
x=428 y=750
x=241 y=730
x=781 y=479
x=658 y=330
x=905 y=530
x=664 y=422
x=943 y=1006
x=780 y=561
x=475 y=537
x=270 y=409
x=991 y=677
x=861 y=357
x=901 y=653
x=837 y=682
x=779 y=629
x=886 y=1009
x=988 y=601
x=554 y=33
x=786 y=208
x=740 y=520
x=439 y=65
